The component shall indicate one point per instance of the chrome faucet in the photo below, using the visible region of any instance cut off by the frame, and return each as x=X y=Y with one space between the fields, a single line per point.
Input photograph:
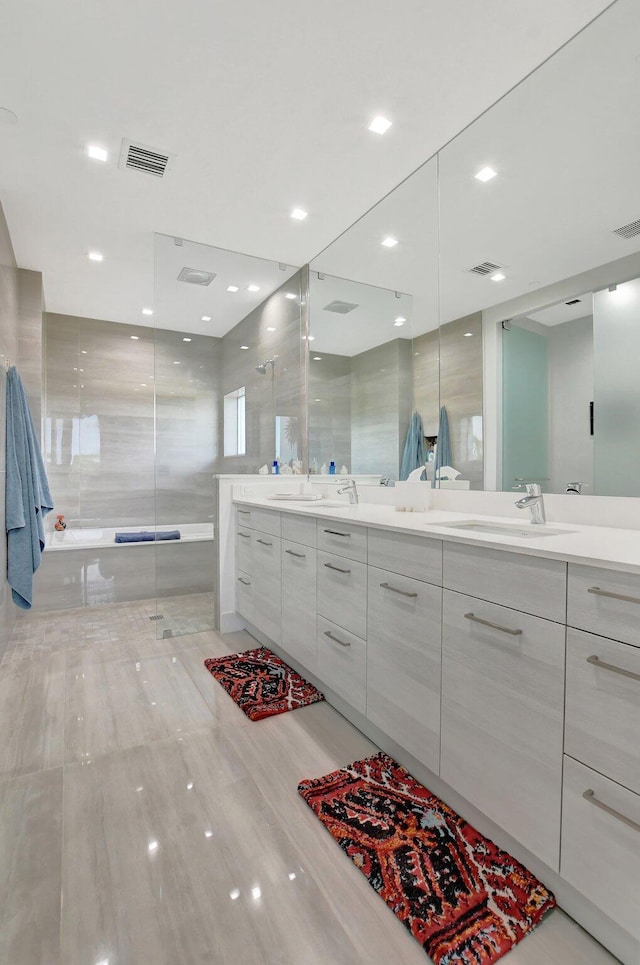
x=534 y=501
x=351 y=488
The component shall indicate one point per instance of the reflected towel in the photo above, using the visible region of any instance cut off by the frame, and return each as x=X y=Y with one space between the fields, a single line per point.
x=414 y=454
x=27 y=497
x=144 y=536
x=443 y=448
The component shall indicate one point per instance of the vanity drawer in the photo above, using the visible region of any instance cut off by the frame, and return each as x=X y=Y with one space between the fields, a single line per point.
x=502 y=717
x=343 y=539
x=266 y=521
x=342 y=663
x=244 y=555
x=528 y=583
x=594 y=602
x=299 y=602
x=601 y=850
x=244 y=595
x=342 y=592
x=404 y=662
x=416 y=556
x=299 y=529
x=602 y=723
x=267 y=585
x=243 y=516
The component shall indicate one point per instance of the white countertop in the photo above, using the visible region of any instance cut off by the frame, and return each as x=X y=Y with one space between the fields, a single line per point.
x=615 y=549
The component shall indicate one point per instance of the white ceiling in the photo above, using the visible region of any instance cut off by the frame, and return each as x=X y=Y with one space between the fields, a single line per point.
x=559 y=314
x=371 y=323
x=265 y=107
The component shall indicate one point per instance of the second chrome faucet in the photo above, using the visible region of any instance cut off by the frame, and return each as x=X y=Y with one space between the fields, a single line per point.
x=533 y=501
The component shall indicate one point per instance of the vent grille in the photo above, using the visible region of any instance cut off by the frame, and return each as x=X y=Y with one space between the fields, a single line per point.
x=630 y=230
x=574 y=301
x=341 y=308
x=194 y=276
x=485 y=268
x=141 y=157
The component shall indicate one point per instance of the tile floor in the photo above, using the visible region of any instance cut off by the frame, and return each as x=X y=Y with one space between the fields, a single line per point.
x=146 y=820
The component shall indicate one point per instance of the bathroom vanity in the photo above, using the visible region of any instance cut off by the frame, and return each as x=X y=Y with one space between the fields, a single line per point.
x=504 y=669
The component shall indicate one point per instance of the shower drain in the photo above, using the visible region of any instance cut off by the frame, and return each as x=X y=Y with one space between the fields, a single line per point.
x=157 y=616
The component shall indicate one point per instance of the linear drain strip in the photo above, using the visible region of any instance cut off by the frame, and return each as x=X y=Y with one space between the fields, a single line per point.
x=157 y=616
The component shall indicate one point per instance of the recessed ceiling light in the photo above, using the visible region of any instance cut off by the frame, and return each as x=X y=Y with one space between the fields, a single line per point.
x=390 y=242
x=134 y=337
x=96 y=256
x=232 y=288
x=186 y=339
x=147 y=311
x=400 y=318
x=298 y=214
x=253 y=288
x=379 y=125
x=289 y=295
x=498 y=276
x=270 y=328
x=468 y=334
x=317 y=358
x=97 y=153
x=486 y=174
x=205 y=318
x=244 y=347
x=399 y=322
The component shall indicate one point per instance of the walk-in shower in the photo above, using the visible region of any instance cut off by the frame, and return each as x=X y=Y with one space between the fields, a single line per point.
x=261 y=369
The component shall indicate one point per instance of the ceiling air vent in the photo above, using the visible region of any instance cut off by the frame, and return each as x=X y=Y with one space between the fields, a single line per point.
x=574 y=301
x=628 y=230
x=486 y=268
x=341 y=308
x=141 y=157
x=194 y=276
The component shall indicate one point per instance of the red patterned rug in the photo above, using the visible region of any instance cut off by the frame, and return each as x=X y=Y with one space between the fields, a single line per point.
x=261 y=684
x=460 y=896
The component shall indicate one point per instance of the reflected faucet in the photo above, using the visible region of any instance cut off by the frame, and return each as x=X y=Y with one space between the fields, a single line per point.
x=351 y=488
x=533 y=501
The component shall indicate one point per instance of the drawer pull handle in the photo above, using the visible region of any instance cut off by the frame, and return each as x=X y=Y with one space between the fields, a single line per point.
x=244 y=535
x=330 y=566
x=613 y=596
x=494 y=626
x=246 y=582
x=597 y=662
x=394 y=589
x=343 y=643
x=301 y=556
x=264 y=542
x=244 y=512
x=336 y=532
x=590 y=796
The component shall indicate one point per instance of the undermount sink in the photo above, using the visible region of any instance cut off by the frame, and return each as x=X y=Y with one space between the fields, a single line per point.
x=505 y=529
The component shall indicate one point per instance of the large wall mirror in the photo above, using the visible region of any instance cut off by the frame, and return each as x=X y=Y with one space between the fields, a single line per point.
x=540 y=249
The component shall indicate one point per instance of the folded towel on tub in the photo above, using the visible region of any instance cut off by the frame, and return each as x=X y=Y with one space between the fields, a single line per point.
x=144 y=536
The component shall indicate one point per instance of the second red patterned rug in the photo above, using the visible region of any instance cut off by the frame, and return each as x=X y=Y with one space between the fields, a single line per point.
x=261 y=684
x=466 y=901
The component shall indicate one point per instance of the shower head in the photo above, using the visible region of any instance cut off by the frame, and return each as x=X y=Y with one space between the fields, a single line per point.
x=262 y=368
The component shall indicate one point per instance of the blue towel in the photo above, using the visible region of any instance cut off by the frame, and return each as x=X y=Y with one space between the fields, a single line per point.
x=414 y=454
x=443 y=451
x=27 y=497
x=144 y=536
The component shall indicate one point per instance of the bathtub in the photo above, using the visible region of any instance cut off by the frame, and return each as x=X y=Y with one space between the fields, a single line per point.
x=86 y=567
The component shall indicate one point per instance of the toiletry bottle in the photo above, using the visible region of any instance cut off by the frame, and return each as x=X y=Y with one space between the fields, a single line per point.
x=323 y=469
x=313 y=468
x=332 y=468
x=60 y=523
x=275 y=469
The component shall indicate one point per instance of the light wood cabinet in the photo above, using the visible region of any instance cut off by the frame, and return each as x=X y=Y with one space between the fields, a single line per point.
x=343 y=539
x=342 y=663
x=342 y=592
x=244 y=595
x=415 y=556
x=606 y=602
x=267 y=585
x=502 y=717
x=403 y=662
x=299 y=529
x=299 y=602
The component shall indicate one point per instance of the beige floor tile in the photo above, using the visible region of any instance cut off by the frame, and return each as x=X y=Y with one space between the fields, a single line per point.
x=30 y=868
x=31 y=715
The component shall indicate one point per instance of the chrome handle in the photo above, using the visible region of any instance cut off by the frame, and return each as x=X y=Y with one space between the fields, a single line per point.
x=336 y=532
x=330 y=566
x=246 y=582
x=244 y=535
x=613 y=596
x=244 y=512
x=301 y=556
x=343 y=643
x=264 y=542
x=494 y=626
x=597 y=662
x=394 y=589
x=590 y=796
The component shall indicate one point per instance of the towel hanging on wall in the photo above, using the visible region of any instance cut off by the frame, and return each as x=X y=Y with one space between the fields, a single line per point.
x=443 y=448
x=27 y=496
x=414 y=455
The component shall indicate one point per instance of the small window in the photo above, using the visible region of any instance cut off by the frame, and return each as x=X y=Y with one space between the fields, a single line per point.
x=234 y=423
